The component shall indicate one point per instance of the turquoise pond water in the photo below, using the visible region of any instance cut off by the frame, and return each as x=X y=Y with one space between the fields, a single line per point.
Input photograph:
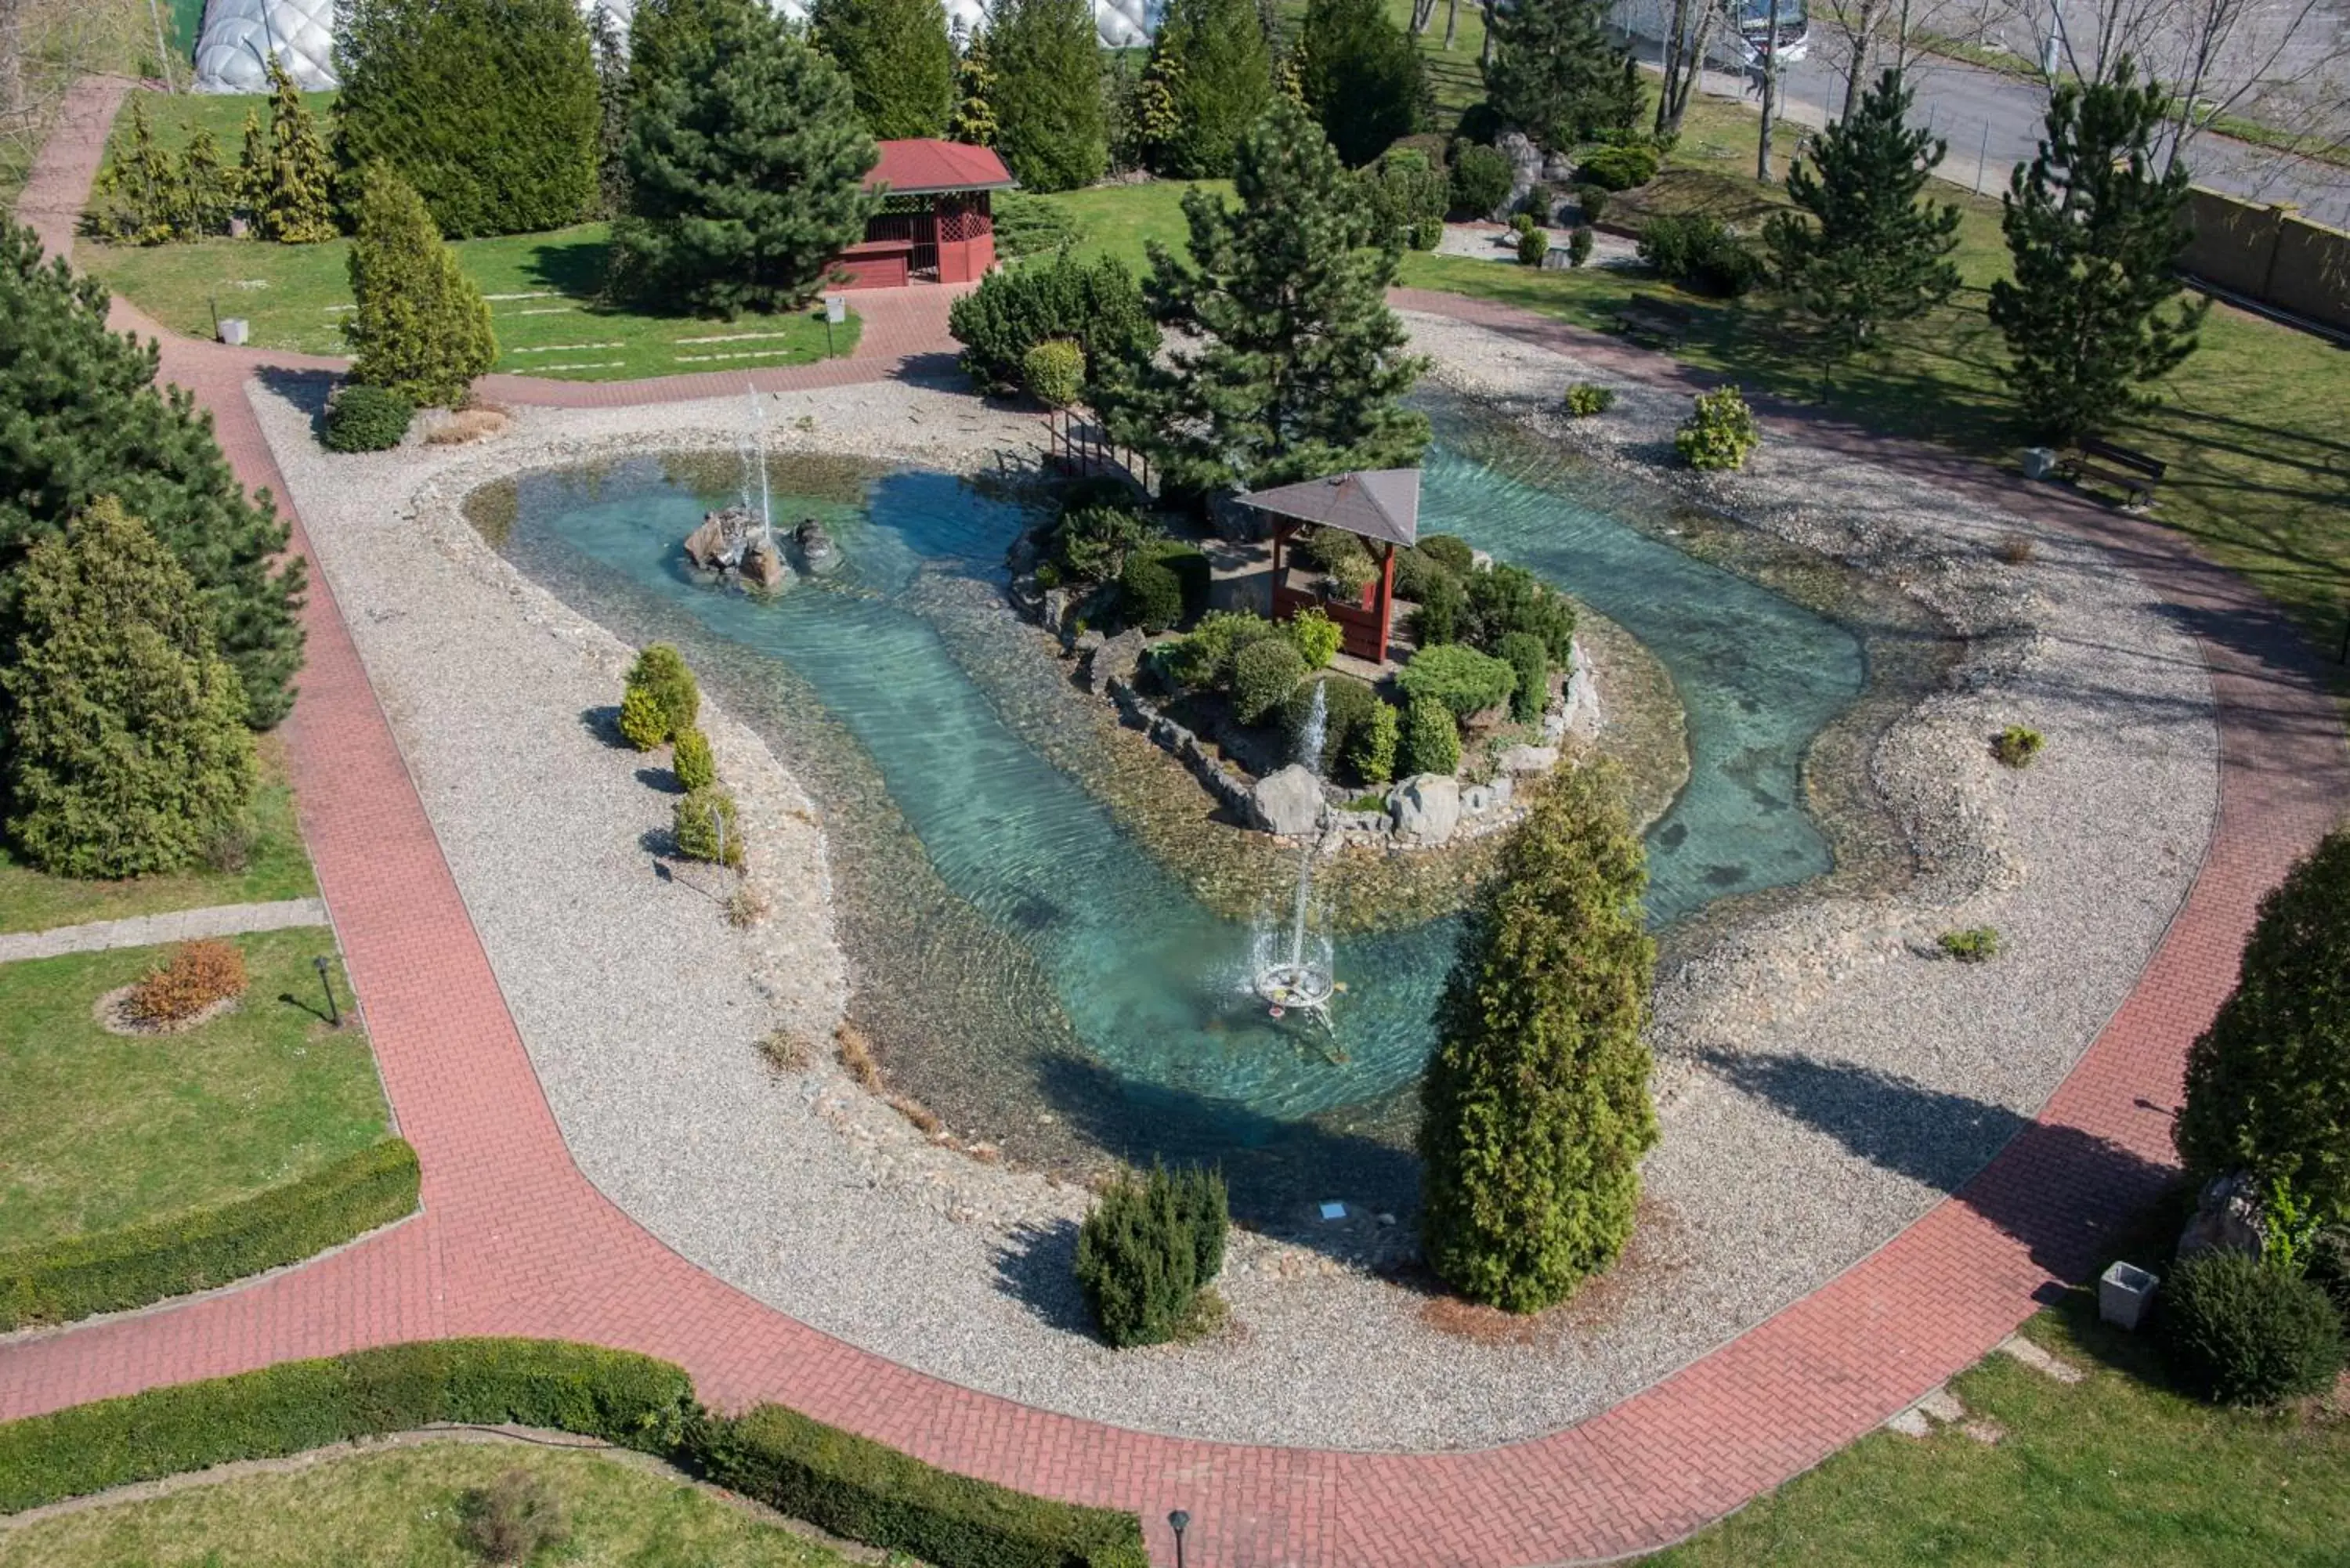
x=1013 y=924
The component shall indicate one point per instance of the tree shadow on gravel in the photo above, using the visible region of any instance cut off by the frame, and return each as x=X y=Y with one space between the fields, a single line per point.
x=2069 y=1195
x=1038 y=1268
x=306 y=390
x=604 y=723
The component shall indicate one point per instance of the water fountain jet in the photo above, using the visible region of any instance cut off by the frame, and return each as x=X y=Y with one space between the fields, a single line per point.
x=1298 y=973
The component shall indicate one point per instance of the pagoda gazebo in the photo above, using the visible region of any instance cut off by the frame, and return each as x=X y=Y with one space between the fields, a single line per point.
x=1379 y=506
x=934 y=225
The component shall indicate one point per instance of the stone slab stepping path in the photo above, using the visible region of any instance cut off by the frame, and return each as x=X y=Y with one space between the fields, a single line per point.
x=152 y=930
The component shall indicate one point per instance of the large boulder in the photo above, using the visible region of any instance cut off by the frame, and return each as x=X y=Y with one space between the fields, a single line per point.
x=1525 y=165
x=763 y=566
x=1116 y=659
x=2230 y=1217
x=1288 y=803
x=718 y=541
x=815 y=546
x=1529 y=759
x=1426 y=808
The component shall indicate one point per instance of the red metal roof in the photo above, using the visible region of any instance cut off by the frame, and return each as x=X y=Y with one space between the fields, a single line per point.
x=924 y=168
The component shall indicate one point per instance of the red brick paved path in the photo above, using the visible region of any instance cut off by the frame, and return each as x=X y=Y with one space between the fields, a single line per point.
x=513 y=1240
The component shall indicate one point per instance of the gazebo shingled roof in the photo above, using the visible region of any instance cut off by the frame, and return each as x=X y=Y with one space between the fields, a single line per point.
x=923 y=167
x=1380 y=504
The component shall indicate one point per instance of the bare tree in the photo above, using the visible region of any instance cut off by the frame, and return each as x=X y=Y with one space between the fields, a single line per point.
x=1423 y=12
x=1689 y=28
x=44 y=47
x=1451 y=21
x=1770 y=74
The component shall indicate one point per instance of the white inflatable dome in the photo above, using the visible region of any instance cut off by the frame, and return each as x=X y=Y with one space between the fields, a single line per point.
x=239 y=36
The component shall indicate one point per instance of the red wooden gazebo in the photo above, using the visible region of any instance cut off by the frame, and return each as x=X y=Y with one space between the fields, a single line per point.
x=1380 y=506
x=934 y=225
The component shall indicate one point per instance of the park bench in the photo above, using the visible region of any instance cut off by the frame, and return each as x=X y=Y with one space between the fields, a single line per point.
x=1654 y=321
x=2133 y=473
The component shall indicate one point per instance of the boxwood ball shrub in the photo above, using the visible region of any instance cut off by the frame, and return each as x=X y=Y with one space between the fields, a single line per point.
x=1317 y=637
x=366 y=418
x=1442 y=601
x=1532 y=247
x=2017 y=745
x=670 y=696
x=690 y=758
x=1372 y=749
x=1591 y=200
x=2241 y=1331
x=1054 y=371
x=1482 y=178
x=703 y=827
x=1720 y=432
x=1428 y=740
x=1530 y=661
x=1618 y=168
x=1263 y=675
x=1465 y=681
x=1148 y=595
x=1578 y=244
x=1148 y=1248
x=1583 y=400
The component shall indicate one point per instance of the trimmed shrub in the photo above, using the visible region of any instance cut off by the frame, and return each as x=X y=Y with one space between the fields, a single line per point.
x=702 y=826
x=1054 y=371
x=644 y=722
x=1583 y=400
x=1371 y=749
x=1482 y=178
x=1204 y=659
x=1430 y=741
x=1442 y=600
x=631 y=1400
x=1539 y=202
x=2017 y=745
x=1265 y=673
x=1317 y=637
x=1505 y=598
x=1591 y=200
x=2268 y=1084
x=1404 y=195
x=1526 y=656
x=863 y=1491
x=2240 y=1332
x=1148 y=1248
x=1193 y=573
x=1030 y=226
x=1347 y=706
x=1014 y=308
x=1465 y=681
x=1578 y=244
x=197 y=975
x=1428 y=234
x=1414 y=569
x=1720 y=431
x=1522 y=223
x=1698 y=250
x=1618 y=168
x=421 y=327
x=1449 y=551
x=1535 y=1107
x=1532 y=247
x=488 y=108
x=1975 y=944
x=690 y=758
x=1093 y=542
x=660 y=673
x=366 y=418
x=129 y=1266
x=1148 y=594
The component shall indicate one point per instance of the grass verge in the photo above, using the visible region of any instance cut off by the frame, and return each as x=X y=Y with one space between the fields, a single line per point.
x=275 y=867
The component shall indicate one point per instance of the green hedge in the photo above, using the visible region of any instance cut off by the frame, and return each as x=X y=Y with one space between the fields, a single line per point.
x=55 y=1281
x=859 y=1489
x=296 y=1405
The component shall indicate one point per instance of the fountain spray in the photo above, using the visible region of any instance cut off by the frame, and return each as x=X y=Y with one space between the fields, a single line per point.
x=1300 y=977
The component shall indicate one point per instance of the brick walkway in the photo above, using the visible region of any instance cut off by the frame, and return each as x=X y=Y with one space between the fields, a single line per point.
x=515 y=1241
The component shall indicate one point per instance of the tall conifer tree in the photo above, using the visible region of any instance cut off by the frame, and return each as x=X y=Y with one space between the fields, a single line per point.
x=1215 y=73
x=1298 y=366
x=974 y=109
x=294 y=203
x=1535 y=1109
x=1362 y=76
x=899 y=60
x=422 y=328
x=1555 y=75
x=1049 y=126
x=2095 y=233
x=1876 y=250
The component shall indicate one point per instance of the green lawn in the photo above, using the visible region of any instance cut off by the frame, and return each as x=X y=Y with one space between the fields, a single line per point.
x=402 y=1507
x=2111 y=1470
x=277 y=868
x=98 y=1130
x=543 y=289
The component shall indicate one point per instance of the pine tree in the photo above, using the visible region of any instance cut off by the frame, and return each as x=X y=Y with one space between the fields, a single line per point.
x=746 y=162
x=141 y=198
x=422 y=328
x=1877 y=251
x=1535 y=1109
x=974 y=110
x=1048 y=92
x=2095 y=235
x=83 y=418
x=210 y=184
x=294 y=203
x=1299 y=366
x=1555 y=75
x=899 y=60
x=1362 y=76
x=2268 y=1084
x=1218 y=75
x=127 y=747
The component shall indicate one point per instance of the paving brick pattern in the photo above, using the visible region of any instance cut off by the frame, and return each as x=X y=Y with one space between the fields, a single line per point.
x=515 y=1241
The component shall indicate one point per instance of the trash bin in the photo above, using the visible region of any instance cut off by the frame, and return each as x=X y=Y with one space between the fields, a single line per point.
x=233 y=331
x=2039 y=463
x=2123 y=1292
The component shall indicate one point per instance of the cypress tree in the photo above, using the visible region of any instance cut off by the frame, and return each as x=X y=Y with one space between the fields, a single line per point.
x=1214 y=76
x=1298 y=368
x=422 y=328
x=1553 y=75
x=974 y=110
x=127 y=747
x=210 y=185
x=2268 y=1084
x=2095 y=233
x=746 y=164
x=489 y=108
x=1535 y=1109
x=81 y=416
x=293 y=201
x=1047 y=93
x=252 y=178
x=1362 y=76
x=1876 y=250
x=899 y=60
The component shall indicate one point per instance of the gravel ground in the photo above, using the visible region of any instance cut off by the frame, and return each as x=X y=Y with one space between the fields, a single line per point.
x=1821 y=1080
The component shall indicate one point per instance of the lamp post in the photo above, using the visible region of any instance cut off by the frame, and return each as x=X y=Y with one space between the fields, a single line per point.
x=327 y=982
x=1178 y=1522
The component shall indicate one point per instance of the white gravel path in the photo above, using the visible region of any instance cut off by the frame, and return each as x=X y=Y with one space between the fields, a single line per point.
x=1822 y=1081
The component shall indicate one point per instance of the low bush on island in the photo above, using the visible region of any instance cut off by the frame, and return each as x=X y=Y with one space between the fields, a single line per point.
x=1147 y=1253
